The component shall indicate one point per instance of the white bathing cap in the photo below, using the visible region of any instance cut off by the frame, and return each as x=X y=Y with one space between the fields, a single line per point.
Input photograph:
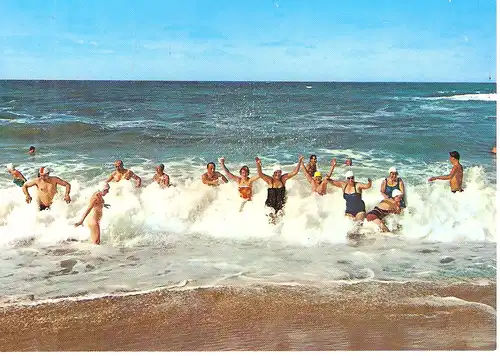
x=277 y=167
x=44 y=170
x=396 y=193
x=349 y=174
x=393 y=170
x=9 y=166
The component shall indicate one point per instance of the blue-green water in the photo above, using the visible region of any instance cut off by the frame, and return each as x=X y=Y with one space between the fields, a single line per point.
x=153 y=237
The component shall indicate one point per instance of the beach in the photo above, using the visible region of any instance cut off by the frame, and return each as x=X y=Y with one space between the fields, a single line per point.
x=364 y=316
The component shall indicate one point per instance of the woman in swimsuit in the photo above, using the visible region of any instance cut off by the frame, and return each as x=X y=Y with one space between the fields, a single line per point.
x=276 y=194
x=385 y=207
x=244 y=180
x=391 y=183
x=355 y=206
x=19 y=179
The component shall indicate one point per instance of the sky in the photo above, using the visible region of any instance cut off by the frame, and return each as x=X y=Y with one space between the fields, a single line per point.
x=249 y=40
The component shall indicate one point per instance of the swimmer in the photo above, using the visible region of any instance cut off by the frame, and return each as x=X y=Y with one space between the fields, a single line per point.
x=456 y=174
x=244 y=180
x=95 y=206
x=122 y=173
x=47 y=188
x=161 y=177
x=19 y=179
x=211 y=176
x=319 y=184
x=387 y=206
x=276 y=193
x=355 y=206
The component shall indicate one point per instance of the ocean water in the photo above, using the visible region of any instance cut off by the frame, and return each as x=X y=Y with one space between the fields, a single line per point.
x=190 y=235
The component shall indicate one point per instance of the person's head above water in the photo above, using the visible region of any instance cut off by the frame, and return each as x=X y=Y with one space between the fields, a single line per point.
x=318 y=176
x=313 y=159
x=103 y=188
x=245 y=171
x=44 y=172
x=118 y=163
x=160 y=168
x=455 y=155
x=348 y=162
x=277 y=170
x=10 y=167
x=31 y=149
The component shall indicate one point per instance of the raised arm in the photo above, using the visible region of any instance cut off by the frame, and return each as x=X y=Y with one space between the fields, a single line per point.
x=333 y=163
x=293 y=173
x=266 y=178
x=229 y=174
x=65 y=184
x=87 y=212
x=27 y=185
x=306 y=173
x=365 y=185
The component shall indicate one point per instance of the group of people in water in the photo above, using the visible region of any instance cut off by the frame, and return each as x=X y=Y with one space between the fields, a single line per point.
x=392 y=188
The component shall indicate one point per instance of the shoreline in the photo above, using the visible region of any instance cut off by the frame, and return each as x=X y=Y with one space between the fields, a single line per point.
x=361 y=316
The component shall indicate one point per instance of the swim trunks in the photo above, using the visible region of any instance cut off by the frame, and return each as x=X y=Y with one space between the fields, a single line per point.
x=42 y=206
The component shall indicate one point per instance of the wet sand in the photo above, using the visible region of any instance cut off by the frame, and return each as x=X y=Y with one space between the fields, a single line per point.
x=364 y=316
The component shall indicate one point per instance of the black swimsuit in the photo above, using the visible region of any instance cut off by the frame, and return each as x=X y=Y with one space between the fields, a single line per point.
x=379 y=213
x=276 y=197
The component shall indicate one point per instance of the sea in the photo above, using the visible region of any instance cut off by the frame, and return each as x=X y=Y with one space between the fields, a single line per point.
x=193 y=236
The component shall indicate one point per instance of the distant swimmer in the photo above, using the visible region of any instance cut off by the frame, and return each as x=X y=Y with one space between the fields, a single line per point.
x=47 y=188
x=276 y=193
x=456 y=175
x=161 y=177
x=312 y=165
x=387 y=206
x=122 y=173
x=244 y=181
x=19 y=179
x=348 y=162
x=31 y=150
x=319 y=184
x=355 y=206
x=211 y=176
x=95 y=206
x=391 y=183
x=494 y=149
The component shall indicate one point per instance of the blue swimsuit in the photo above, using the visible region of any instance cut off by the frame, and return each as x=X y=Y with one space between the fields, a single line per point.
x=388 y=190
x=353 y=202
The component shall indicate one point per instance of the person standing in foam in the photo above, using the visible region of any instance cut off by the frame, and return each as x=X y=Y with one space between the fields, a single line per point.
x=354 y=204
x=276 y=193
x=385 y=207
x=19 y=179
x=122 y=173
x=211 y=176
x=244 y=181
x=392 y=183
x=95 y=206
x=47 y=188
x=319 y=184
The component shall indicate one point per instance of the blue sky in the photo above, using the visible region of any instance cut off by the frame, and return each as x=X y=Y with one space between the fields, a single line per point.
x=265 y=40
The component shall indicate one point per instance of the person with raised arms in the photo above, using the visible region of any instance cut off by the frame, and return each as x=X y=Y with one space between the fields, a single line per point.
x=47 y=188
x=355 y=206
x=312 y=166
x=319 y=184
x=122 y=173
x=244 y=181
x=387 y=206
x=161 y=177
x=211 y=176
x=392 y=183
x=276 y=193
x=19 y=179
x=95 y=206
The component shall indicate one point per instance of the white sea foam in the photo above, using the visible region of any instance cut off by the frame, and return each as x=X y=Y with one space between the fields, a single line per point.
x=465 y=97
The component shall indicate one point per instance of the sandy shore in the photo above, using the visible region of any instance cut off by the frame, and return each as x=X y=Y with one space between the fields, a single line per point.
x=367 y=316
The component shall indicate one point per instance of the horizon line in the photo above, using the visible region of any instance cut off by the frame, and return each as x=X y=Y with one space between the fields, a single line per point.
x=249 y=81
